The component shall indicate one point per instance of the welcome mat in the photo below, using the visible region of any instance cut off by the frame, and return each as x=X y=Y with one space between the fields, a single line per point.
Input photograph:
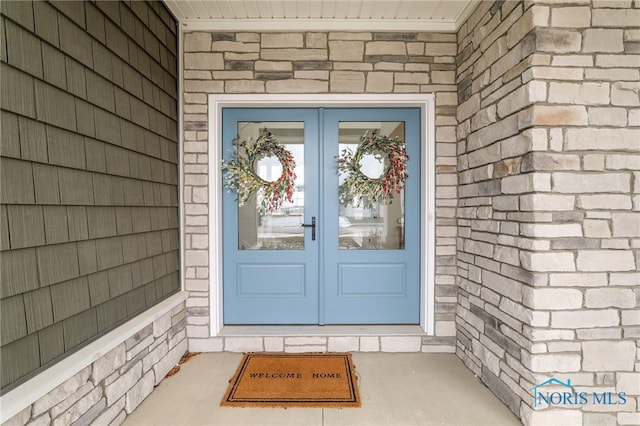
x=293 y=380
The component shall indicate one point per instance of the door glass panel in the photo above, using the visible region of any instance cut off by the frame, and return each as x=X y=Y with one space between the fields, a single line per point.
x=364 y=225
x=280 y=229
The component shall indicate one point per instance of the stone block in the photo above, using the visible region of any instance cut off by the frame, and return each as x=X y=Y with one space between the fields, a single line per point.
x=610 y=298
x=571 y=17
x=628 y=382
x=615 y=17
x=556 y=230
x=346 y=82
x=579 y=93
x=607 y=116
x=587 y=183
x=544 y=115
x=585 y=319
x=605 y=260
x=548 y=262
x=79 y=408
x=546 y=363
x=197 y=42
x=139 y=392
x=557 y=41
x=291 y=54
x=346 y=51
x=626 y=225
x=297 y=86
x=280 y=40
x=597 y=356
x=203 y=61
x=552 y=298
x=123 y=383
x=113 y=415
x=400 y=343
x=170 y=360
x=61 y=393
x=625 y=93
x=604 y=202
x=533 y=417
x=603 y=40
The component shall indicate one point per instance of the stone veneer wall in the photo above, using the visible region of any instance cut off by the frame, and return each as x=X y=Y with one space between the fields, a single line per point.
x=107 y=390
x=89 y=215
x=313 y=63
x=549 y=228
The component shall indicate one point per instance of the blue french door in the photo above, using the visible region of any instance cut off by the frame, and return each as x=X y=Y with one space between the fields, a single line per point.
x=314 y=259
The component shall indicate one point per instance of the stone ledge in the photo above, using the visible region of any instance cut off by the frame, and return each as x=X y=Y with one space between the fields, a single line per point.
x=22 y=396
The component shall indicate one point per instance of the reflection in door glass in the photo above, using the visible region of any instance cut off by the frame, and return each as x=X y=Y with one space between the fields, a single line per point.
x=370 y=226
x=280 y=229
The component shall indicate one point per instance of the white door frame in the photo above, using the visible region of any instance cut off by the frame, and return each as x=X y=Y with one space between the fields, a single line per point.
x=426 y=103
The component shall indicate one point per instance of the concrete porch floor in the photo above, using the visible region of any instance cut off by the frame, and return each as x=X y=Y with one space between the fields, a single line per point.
x=396 y=389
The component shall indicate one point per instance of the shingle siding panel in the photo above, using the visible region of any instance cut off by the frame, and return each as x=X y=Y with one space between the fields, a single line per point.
x=19 y=358
x=33 y=140
x=77 y=223
x=84 y=123
x=70 y=298
x=17 y=91
x=12 y=325
x=87 y=257
x=56 y=224
x=26 y=226
x=10 y=146
x=57 y=263
x=55 y=71
x=55 y=106
x=65 y=148
x=17 y=182
x=51 y=341
x=23 y=50
x=19 y=272
x=46 y=22
x=76 y=187
x=46 y=183
x=38 y=309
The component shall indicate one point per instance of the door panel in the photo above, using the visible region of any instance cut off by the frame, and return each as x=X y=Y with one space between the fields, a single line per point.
x=375 y=278
x=270 y=263
x=362 y=267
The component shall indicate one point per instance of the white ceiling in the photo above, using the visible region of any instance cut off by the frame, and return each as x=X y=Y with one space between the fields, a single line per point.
x=315 y=15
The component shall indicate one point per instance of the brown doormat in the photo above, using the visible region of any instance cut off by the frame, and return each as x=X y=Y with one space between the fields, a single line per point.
x=293 y=380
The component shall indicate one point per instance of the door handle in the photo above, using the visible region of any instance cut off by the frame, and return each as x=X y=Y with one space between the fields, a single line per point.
x=313 y=227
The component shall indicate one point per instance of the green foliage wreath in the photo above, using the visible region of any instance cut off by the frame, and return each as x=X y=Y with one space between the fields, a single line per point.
x=358 y=188
x=241 y=176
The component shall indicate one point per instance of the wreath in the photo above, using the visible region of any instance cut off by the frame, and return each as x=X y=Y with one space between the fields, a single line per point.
x=242 y=178
x=358 y=188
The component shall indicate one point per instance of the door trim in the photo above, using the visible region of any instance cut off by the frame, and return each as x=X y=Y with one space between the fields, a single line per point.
x=426 y=103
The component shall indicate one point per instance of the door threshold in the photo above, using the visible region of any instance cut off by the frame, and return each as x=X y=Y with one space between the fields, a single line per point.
x=320 y=330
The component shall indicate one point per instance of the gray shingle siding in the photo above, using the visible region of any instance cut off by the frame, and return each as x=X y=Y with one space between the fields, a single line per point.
x=88 y=224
